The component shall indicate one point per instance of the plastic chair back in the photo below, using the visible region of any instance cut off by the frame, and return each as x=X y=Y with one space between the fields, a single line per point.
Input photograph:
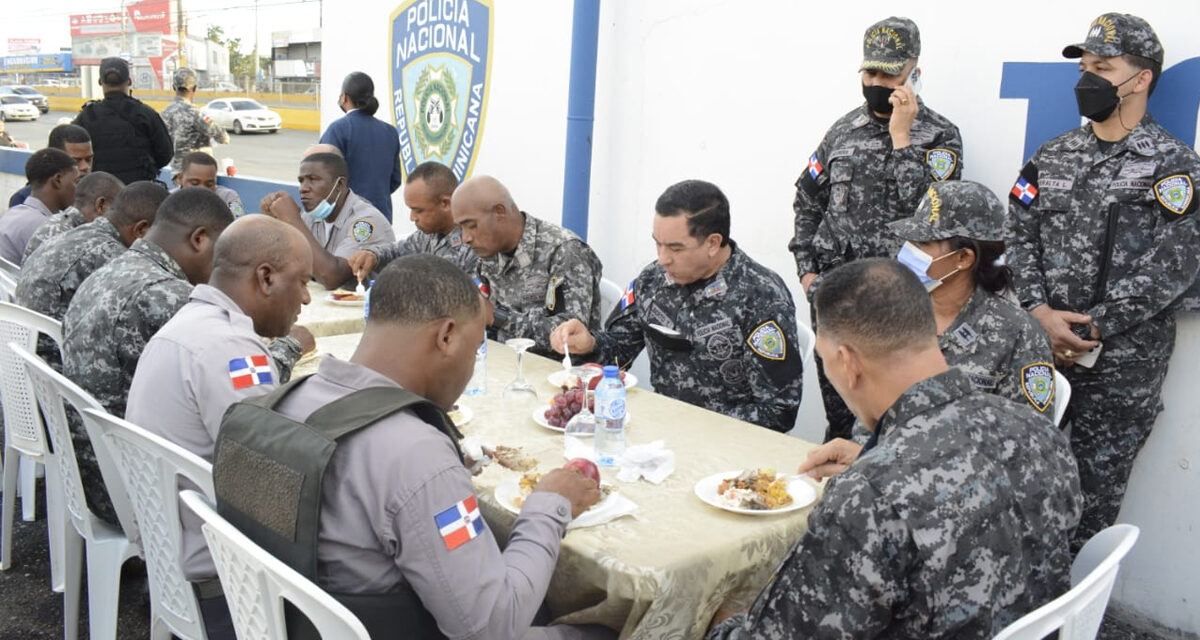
x=610 y=294
x=10 y=268
x=806 y=340
x=8 y=286
x=1062 y=396
x=151 y=467
x=22 y=424
x=256 y=584
x=1077 y=614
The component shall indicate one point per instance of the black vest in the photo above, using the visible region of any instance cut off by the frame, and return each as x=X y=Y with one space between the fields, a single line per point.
x=120 y=137
x=268 y=472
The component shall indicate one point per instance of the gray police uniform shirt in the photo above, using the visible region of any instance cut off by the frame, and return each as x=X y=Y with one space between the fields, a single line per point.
x=384 y=486
x=55 y=225
x=229 y=197
x=359 y=225
x=952 y=524
x=204 y=359
x=1059 y=210
x=552 y=276
x=727 y=343
x=449 y=246
x=855 y=183
x=1002 y=349
x=190 y=130
x=18 y=225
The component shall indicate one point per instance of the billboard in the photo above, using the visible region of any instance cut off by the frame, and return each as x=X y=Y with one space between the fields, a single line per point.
x=36 y=63
x=95 y=24
x=150 y=16
x=22 y=46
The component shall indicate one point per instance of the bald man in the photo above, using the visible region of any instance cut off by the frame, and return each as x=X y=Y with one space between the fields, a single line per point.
x=322 y=147
x=536 y=274
x=211 y=355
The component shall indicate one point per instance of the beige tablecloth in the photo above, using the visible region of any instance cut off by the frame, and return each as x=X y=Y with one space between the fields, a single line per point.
x=325 y=318
x=663 y=572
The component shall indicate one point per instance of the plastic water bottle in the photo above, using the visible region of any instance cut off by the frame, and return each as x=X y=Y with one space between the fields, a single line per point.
x=610 y=417
x=367 y=300
x=478 y=383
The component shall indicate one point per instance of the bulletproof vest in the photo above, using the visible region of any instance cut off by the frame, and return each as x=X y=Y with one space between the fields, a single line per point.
x=120 y=147
x=268 y=473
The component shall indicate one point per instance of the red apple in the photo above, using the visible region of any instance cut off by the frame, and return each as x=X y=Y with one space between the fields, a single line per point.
x=585 y=467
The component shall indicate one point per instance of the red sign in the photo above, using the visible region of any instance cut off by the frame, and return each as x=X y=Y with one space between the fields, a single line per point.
x=150 y=16
x=96 y=24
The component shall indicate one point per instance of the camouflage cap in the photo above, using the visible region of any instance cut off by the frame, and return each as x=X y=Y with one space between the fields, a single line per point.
x=890 y=43
x=184 y=78
x=951 y=209
x=1113 y=34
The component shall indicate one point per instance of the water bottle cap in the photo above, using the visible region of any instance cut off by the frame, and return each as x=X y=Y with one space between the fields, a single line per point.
x=611 y=371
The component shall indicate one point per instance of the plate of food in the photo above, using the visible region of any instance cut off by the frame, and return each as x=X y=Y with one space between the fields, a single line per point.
x=545 y=417
x=305 y=359
x=460 y=414
x=511 y=494
x=756 y=492
x=565 y=379
x=345 y=298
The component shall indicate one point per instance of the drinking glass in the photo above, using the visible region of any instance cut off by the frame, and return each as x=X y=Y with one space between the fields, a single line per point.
x=520 y=389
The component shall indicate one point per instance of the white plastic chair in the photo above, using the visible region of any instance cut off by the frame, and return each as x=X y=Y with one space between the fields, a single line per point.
x=107 y=547
x=256 y=584
x=152 y=467
x=8 y=286
x=1062 y=396
x=24 y=439
x=806 y=341
x=10 y=268
x=610 y=294
x=1077 y=614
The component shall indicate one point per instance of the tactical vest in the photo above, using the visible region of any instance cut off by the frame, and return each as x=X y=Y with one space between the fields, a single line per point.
x=119 y=145
x=268 y=472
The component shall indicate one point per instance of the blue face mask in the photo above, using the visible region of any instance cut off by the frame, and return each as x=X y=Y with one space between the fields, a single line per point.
x=325 y=209
x=919 y=262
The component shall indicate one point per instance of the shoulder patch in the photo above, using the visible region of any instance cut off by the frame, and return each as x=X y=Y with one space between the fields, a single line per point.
x=1176 y=194
x=942 y=163
x=768 y=341
x=627 y=297
x=552 y=293
x=1037 y=382
x=813 y=177
x=1025 y=191
x=237 y=209
x=460 y=523
x=362 y=230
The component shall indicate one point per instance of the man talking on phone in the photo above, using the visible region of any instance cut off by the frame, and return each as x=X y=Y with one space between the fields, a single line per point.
x=872 y=167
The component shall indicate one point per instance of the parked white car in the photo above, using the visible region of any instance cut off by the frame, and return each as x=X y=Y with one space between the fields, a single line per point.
x=242 y=115
x=29 y=93
x=17 y=108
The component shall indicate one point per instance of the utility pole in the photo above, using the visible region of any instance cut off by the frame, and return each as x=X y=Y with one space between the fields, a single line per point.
x=182 y=34
x=255 y=79
x=124 y=40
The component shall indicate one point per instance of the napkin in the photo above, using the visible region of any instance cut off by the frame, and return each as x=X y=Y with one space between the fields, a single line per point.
x=578 y=448
x=650 y=461
x=613 y=507
x=473 y=448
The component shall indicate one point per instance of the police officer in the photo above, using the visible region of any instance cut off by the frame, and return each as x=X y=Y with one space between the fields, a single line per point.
x=1104 y=243
x=211 y=355
x=199 y=169
x=336 y=221
x=120 y=306
x=190 y=129
x=427 y=196
x=720 y=327
x=535 y=274
x=129 y=138
x=50 y=277
x=953 y=520
x=873 y=166
x=94 y=194
x=400 y=530
x=952 y=243
x=52 y=175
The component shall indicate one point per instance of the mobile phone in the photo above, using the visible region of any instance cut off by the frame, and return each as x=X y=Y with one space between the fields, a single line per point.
x=1089 y=359
x=914 y=81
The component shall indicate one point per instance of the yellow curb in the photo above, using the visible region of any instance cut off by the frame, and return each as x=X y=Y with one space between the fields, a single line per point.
x=297 y=119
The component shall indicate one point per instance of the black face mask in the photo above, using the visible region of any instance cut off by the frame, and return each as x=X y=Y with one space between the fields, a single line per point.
x=877 y=98
x=1097 y=97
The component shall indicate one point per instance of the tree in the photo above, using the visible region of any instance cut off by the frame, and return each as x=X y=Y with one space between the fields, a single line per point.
x=241 y=65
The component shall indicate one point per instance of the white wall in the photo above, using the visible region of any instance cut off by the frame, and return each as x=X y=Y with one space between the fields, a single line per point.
x=740 y=94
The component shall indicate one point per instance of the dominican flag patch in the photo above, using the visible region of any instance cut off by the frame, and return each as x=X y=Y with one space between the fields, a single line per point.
x=814 y=167
x=1024 y=191
x=627 y=298
x=483 y=287
x=250 y=371
x=460 y=523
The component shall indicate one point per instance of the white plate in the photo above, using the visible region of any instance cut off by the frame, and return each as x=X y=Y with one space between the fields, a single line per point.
x=539 y=416
x=344 y=303
x=464 y=415
x=560 y=376
x=802 y=491
x=506 y=493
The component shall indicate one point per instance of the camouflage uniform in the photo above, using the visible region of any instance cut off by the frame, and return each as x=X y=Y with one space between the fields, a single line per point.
x=190 y=130
x=112 y=316
x=855 y=182
x=1060 y=211
x=51 y=276
x=57 y=224
x=551 y=277
x=736 y=353
x=953 y=522
x=449 y=246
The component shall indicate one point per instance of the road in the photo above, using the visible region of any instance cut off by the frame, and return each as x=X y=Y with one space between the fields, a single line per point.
x=256 y=155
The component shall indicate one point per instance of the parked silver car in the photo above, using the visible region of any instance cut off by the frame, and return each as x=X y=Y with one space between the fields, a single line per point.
x=29 y=93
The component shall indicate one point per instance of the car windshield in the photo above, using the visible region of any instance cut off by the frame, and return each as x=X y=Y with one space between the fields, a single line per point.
x=25 y=91
x=246 y=105
x=14 y=100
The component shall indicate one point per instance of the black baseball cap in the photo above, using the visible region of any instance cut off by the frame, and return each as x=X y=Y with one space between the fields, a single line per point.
x=114 y=71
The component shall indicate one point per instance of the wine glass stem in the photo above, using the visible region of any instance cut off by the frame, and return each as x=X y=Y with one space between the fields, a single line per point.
x=520 y=367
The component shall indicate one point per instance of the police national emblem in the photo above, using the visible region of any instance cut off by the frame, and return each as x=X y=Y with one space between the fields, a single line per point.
x=1037 y=382
x=362 y=230
x=441 y=69
x=768 y=341
x=942 y=163
x=1175 y=193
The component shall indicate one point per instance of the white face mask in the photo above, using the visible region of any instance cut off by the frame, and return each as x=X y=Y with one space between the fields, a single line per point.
x=919 y=262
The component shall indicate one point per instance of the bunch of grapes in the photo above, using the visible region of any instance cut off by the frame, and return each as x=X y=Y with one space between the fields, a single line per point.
x=565 y=405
